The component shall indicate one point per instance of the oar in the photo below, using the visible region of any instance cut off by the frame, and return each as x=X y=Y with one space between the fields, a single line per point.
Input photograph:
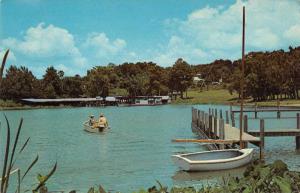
x=218 y=141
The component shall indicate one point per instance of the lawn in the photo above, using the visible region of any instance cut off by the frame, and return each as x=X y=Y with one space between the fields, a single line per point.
x=213 y=96
x=222 y=96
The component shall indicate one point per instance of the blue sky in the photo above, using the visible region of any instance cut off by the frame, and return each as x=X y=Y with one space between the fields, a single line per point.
x=75 y=35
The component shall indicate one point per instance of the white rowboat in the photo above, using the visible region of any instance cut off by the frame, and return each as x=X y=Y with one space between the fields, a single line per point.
x=213 y=160
x=90 y=129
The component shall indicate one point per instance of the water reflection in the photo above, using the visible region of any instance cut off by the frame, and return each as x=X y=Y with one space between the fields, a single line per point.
x=207 y=175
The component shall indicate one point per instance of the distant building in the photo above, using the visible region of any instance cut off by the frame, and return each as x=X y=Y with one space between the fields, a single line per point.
x=198 y=79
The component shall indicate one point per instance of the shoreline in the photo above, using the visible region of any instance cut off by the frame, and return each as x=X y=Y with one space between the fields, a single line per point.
x=251 y=104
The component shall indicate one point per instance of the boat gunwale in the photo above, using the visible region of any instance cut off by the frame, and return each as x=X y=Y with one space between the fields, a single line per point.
x=245 y=152
x=85 y=124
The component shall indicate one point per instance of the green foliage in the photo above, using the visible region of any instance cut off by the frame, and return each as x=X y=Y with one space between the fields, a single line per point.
x=180 y=76
x=52 y=83
x=19 y=83
x=268 y=76
x=10 y=158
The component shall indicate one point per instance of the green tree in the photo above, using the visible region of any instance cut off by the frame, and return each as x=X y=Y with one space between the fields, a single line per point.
x=72 y=86
x=52 y=79
x=180 y=76
x=19 y=83
x=98 y=82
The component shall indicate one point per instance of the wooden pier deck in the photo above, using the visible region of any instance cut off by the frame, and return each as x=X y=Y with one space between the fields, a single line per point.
x=233 y=133
x=209 y=126
x=212 y=126
x=277 y=133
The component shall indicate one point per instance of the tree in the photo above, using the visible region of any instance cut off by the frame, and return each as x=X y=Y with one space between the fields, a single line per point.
x=98 y=82
x=72 y=86
x=180 y=76
x=52 y=78
x=19 y=83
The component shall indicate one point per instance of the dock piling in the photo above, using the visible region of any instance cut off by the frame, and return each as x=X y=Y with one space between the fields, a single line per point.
x=255 y=112
x=245 y=129
x=215 y=131
x=297 y=138
x=227 y=117
x=278 y=110
x=221 y=132
x=262 y=139
x=210 y=122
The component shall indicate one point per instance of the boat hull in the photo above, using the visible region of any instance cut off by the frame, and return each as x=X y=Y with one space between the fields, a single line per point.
x=233 y=158
x=90 y=129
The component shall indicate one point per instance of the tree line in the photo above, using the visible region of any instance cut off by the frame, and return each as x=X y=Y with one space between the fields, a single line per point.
x=268 y=75
x=130 y=79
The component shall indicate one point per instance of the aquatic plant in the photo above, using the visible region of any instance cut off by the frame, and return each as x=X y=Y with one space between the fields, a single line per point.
x=10 y=158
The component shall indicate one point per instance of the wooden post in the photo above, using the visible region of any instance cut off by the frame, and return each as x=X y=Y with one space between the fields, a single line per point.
x=210 y=122
x=245 y=129
x=255 y=113
x=198 y=118
x=232 y=120
x=262 y=139
x=206 y=122
x=221 y=114
x=216 y=113
x=192 y=114
x=227 y=117
x=209 y=111
x=278 y=109
x=202 y=120
x=215 y=127
x=221 y=132
x=230 y=109
x=298 y=137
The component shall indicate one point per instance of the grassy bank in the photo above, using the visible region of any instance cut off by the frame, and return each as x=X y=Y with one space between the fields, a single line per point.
x=222 y=96
x=214 y=96
x=7 y=104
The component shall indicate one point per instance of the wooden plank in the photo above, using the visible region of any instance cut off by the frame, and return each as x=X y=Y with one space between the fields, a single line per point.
x=277 y=133
x=217 y=141
x=266 y=110
x=232 y=133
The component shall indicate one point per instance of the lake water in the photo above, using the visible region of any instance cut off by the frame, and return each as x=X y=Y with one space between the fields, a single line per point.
x=132 y=155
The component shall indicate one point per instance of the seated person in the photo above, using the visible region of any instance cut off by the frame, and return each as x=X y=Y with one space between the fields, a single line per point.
x=91 y=120
x=102 y=121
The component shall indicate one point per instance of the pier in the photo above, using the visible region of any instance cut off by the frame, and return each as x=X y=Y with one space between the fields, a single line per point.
x=211 y=126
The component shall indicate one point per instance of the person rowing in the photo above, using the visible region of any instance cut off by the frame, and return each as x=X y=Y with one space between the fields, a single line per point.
x=102 y=122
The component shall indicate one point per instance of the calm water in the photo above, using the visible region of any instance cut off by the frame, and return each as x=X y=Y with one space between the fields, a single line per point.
x=133 y=154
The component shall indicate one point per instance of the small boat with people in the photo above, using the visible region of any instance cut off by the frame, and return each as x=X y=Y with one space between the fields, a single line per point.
x=94 y=126
x=213 y=160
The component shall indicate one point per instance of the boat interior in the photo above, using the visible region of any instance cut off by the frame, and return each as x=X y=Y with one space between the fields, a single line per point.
x=212 y=155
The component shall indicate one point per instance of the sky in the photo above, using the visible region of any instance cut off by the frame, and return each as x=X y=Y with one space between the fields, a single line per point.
x=76 y=35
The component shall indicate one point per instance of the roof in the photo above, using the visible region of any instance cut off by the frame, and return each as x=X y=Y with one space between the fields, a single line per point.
x=110 y=99
x=61 y=100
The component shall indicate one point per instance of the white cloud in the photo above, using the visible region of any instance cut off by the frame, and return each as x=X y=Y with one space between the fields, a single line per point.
x=43 y=44
x=45 y=41
x=216 y=32
x=293 y=32
x=103 y=46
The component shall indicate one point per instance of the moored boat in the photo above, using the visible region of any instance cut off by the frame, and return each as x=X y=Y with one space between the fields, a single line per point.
x=213 y=160
x=91 y=129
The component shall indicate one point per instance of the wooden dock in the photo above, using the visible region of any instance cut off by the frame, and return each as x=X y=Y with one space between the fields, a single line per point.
x=278 y=110
x=212 y=126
